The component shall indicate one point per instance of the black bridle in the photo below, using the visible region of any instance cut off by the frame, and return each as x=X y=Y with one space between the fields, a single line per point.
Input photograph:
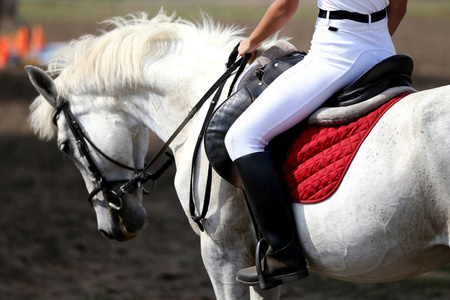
x=114 y=197
x=84 y=143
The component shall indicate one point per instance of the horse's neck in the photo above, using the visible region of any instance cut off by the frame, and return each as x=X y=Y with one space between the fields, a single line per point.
x=179 y=83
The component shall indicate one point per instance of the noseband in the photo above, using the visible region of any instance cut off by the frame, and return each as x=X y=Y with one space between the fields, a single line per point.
x=113 y=197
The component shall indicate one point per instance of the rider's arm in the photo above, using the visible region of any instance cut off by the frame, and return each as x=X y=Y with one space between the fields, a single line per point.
x=396 y=11
x=277 y=15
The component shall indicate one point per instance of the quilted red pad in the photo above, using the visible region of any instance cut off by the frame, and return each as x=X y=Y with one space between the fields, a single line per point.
x=321 y=156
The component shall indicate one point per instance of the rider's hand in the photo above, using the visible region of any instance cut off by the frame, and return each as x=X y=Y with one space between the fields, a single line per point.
x=246 y=46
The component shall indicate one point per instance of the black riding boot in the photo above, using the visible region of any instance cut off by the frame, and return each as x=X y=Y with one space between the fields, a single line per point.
x=283 y=259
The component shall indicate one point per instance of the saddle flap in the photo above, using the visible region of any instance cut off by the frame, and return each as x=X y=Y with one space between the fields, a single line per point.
x=225 y=115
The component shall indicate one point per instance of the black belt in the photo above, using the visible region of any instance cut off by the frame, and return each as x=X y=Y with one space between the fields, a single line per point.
x=342 y=14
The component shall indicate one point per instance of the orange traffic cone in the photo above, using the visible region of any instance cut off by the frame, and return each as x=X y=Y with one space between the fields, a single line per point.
x=22 y=42
x=37 y=42
x=4 y=51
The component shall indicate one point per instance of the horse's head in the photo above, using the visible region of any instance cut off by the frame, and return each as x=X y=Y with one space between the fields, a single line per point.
x=107 y=146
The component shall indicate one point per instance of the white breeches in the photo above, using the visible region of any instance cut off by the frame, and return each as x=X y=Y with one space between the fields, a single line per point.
x=335 y=59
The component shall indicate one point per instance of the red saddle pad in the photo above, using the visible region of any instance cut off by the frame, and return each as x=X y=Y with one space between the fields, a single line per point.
x=320 y=157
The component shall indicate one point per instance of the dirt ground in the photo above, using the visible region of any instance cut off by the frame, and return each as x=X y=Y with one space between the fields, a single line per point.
x=50 y=248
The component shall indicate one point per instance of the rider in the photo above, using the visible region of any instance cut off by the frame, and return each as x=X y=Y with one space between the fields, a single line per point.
x=350 y=37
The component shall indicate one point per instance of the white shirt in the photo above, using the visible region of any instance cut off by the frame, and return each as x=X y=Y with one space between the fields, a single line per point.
x=359 y=6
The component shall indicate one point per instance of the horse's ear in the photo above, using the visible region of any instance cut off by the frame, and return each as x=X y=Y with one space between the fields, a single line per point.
x=43 y=83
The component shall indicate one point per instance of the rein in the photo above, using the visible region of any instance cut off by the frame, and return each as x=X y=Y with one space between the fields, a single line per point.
x=231 y=65
x=114 y=198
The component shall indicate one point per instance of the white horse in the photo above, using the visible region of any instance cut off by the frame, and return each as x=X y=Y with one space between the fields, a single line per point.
x=388 y=220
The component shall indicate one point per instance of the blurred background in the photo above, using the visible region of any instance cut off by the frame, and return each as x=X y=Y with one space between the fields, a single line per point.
x=49 y=245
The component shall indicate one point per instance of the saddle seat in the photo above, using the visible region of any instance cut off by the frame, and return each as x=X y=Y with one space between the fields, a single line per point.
x=344 y=106
x=392 y=72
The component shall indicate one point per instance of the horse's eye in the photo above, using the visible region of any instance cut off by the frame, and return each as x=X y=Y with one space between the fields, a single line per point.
x=65 y=147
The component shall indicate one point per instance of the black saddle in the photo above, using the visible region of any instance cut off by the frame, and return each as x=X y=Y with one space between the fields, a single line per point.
x=391 y=72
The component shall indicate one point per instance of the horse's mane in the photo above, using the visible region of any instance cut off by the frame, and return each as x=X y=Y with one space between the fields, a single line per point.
x=113 y=61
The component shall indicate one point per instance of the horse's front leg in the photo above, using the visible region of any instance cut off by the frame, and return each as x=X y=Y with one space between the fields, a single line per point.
x=222 y=261
x=228 y=245
x=228 y=242
x=222 y=264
